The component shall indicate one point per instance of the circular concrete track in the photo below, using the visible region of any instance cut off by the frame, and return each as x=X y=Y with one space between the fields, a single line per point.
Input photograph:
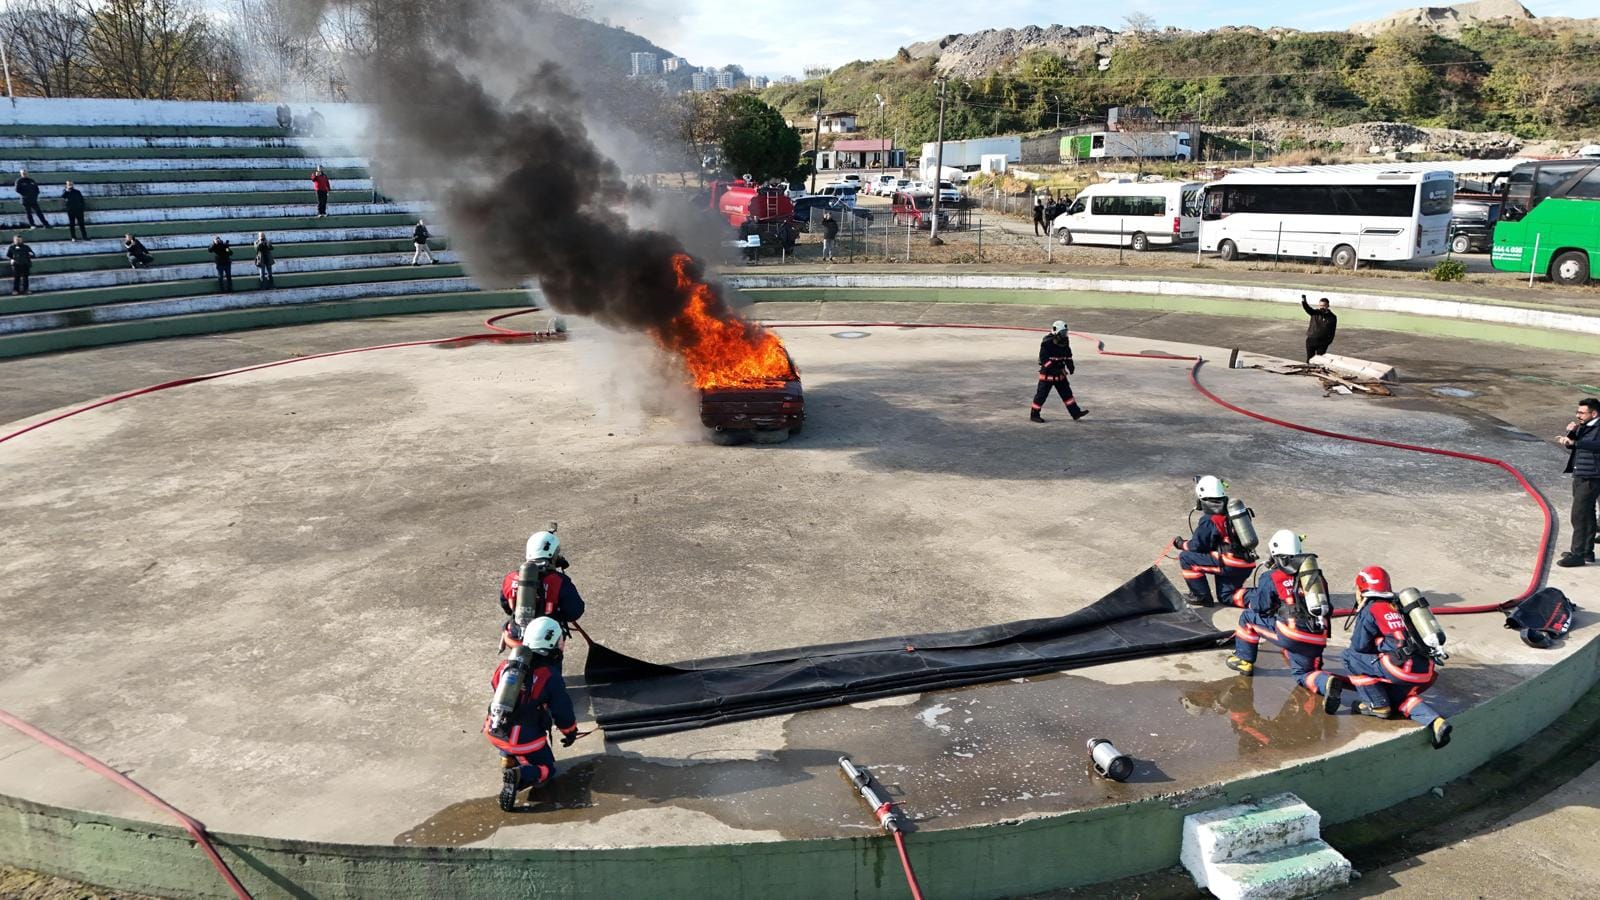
x=269 y=598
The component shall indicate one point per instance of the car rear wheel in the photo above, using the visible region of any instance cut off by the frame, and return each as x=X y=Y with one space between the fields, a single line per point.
x=1460 y=244
x=726 y=438
x=1571 y=267
x=1065 y=236
x=1344 y=257
x=1140 y=242
x=1228 y=251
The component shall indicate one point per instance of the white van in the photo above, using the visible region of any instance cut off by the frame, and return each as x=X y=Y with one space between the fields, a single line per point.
x=1132 y=215
x=845 y=192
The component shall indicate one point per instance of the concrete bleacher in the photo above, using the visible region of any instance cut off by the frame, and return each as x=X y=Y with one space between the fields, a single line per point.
x=177 y=174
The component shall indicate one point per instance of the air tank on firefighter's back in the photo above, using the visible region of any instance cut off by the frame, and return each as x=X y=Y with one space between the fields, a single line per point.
x=1244 y=526
x=1313 y=586
x=1420 y=616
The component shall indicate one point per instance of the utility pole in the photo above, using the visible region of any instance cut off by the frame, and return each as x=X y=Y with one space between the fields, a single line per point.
x=6 y=62
x=883 y=155
x=816 y=137
x=1058 y=112
x=938 y=168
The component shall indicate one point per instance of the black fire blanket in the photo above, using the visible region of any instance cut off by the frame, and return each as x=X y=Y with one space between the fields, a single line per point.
x=633 y=698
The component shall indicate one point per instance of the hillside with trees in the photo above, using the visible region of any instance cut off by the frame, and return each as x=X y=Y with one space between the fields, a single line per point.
x=1530 y=78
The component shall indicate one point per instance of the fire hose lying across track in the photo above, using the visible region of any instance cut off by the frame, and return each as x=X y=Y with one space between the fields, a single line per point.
x=499 y=333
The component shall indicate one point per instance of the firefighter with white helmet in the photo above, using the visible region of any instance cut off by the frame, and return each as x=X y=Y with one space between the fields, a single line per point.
x=1222 y=545
x=540 y=587
x=1055 y=364
x=1289 y=606
x=530 y=696
x=1392 y=655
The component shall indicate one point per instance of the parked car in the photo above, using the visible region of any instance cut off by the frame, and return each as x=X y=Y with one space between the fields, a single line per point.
x=916 y=209
x=808 y=211
x=881 y=185
x=1472 y=225
x=948 y=193
x=850 y=180
x=797 y=190
x=844 y=192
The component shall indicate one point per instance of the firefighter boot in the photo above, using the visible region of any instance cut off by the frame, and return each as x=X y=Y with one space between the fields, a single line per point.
x=1242 y=666
x=1439 y=732
x=1035 y=417
x=508 y=786
x=1377 y=712
x=1331 y=703
x=1079 y=413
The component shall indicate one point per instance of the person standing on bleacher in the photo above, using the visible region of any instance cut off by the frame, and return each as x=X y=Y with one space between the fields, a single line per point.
x=138 y=256
x=419 y=244
x=75 y=209
x=263 y=261
x=28 y=190
x=21 y=256
x=323 y=186
x=222 y=252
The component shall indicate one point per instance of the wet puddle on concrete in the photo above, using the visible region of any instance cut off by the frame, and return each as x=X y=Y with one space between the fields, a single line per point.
x=954 y=758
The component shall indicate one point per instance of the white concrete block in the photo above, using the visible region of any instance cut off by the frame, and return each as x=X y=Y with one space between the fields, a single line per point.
x=1289 y=873
x=1219 y=835
x=1355 y=369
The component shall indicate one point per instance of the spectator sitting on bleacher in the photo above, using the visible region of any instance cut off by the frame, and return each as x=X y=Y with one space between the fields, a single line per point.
x=323 y=186
x=28 y=190
x=419 y=244
x=21 y=256
x=263 y=260
x=222 y=252
x=138 y=256
x=75 y=210
x=285 y=117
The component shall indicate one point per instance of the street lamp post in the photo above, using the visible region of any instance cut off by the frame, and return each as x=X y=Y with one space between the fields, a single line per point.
x=816 y=137
x=883 y=152
x=938 y=168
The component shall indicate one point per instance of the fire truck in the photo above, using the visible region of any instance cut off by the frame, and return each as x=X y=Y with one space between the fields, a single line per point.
x=740 y=199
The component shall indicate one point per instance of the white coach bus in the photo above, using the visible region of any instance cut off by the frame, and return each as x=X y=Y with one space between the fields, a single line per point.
x=1340 y=216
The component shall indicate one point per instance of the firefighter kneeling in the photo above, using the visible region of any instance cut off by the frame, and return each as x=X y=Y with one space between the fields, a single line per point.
x=1394 y=645
x=1223 y=544
x=1288 y=606
x=539 y=588
x=529 y=696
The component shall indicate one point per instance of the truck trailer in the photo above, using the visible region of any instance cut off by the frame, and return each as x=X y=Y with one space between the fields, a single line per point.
x=1127 y=145
x=968 y=155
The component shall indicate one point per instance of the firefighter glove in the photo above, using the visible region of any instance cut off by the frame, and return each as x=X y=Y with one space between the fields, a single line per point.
x=1177 y=542
x=567 y=740
x=1071 y=369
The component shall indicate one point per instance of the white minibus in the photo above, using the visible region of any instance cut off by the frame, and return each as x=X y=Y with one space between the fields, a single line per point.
x=1131 y=214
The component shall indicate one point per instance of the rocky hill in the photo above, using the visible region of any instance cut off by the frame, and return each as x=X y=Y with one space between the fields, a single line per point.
x=1448 y=20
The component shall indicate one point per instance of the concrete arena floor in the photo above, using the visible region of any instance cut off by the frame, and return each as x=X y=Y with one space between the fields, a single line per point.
x=269 y=597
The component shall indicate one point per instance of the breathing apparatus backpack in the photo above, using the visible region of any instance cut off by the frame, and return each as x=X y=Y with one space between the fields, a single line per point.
x=1312 y=603
x=1424 y=635
x=1241 y=529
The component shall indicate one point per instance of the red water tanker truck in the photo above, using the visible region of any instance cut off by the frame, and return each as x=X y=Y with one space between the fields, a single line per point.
x=739 y=200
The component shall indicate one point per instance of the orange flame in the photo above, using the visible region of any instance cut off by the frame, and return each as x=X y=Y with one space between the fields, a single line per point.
x=719 y=348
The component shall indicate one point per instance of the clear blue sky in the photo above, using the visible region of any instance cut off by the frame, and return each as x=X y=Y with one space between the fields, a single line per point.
x=774 y=38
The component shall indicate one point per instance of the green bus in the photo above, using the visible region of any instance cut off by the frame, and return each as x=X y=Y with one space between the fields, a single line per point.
x=1550 y=221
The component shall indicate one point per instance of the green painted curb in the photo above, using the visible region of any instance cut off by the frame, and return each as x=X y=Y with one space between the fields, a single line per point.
x=243 y=272
x=1384 y=321
x=187 y=175
x=96 y=262
x=13 y=208
x=59 y=339
x=215 y=226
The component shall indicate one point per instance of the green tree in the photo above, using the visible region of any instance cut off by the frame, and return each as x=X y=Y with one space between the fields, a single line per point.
x=1392 y=79
x=755 y=139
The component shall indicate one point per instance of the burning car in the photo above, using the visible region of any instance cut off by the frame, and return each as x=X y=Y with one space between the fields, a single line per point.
x=767 y=412
x=749 y=386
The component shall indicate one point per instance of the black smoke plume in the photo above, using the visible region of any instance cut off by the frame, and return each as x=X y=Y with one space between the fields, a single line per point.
x=479 y=114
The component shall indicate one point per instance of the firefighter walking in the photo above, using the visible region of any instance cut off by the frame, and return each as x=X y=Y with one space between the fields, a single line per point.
x=539 y=588
x=1055 y=364
x=530 y=697
x=1289 y=608
x=1394 y=644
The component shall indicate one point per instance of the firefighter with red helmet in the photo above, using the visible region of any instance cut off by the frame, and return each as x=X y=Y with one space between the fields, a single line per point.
x=1288 y=607
x=1222 y=545
x=550 y=592
x=1391 y=660
x=518 y=725
x=1055 y=364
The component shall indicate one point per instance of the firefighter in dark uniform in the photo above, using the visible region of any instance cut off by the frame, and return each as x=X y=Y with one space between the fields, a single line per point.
x=557 y=596
x=1388 y=666
x=1055 y=364
x=1278 y=610
x=1214 y=550
x=525 y=754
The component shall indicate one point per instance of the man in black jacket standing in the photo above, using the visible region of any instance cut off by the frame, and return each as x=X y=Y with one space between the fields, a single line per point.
x=1319 y=334
x=21 y=256
x=222 y=252
x=1583 y=463
x=75 y=209
x=28 y=190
